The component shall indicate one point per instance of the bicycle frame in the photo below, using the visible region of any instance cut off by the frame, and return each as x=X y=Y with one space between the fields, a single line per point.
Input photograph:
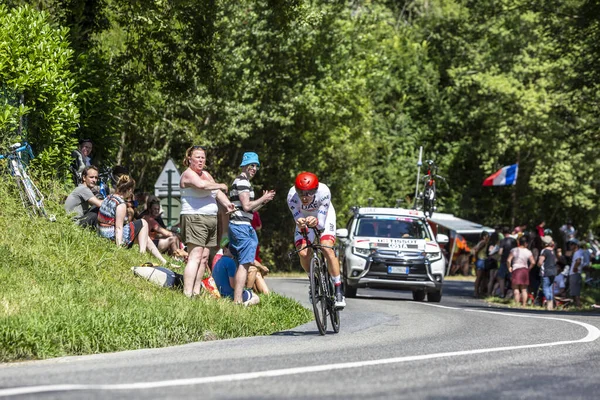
x=31 y=197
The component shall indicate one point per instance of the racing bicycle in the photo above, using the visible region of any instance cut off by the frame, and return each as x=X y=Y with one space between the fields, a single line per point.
x=30 y=195
x=429 y=195
x=322 y=290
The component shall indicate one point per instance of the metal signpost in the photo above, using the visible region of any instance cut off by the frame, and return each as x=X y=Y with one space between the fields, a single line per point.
x=167 y=185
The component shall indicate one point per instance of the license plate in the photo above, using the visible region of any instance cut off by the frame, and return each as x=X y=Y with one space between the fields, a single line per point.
x=398 y=270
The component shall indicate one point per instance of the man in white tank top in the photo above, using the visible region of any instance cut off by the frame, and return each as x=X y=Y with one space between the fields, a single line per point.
x=199 y=196
x=242 y=236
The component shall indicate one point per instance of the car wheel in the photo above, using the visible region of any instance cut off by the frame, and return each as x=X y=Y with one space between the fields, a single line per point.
x=349 y=291
x=418 y=295
x=434 y=297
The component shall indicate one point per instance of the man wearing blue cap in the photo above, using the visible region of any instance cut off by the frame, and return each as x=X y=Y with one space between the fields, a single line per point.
x=242 y=236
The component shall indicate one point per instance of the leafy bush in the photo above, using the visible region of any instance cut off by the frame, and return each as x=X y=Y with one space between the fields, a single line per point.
x=34 y=65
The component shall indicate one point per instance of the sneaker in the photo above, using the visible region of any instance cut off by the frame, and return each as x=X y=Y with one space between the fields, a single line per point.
x=340 y=300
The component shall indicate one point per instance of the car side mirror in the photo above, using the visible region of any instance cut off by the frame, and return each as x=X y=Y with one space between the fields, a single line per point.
x=342 y=233
x=442 y=239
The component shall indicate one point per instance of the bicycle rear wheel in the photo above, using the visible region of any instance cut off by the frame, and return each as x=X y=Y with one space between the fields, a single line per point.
x=429 y=201
x=317 y=292
x=334 y=313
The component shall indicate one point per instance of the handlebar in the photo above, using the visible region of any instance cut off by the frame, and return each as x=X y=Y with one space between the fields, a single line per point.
x=315 y=244
x=18 y=148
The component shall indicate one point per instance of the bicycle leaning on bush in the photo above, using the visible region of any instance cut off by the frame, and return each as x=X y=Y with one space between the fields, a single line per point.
x=322 y=291
x=31 y=197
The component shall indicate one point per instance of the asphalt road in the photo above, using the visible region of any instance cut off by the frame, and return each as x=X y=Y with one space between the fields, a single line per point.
x=389 y=347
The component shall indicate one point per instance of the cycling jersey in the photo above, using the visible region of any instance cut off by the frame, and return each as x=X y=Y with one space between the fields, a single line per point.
x=320 y=207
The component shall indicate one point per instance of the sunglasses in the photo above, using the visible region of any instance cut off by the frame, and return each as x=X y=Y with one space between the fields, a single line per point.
x=254 y=166
x=198 y=147
x=306 y=193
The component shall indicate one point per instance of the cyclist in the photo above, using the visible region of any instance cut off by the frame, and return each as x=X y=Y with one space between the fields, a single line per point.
x=310 y=204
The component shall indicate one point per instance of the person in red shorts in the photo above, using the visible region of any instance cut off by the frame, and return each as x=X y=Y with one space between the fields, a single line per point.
x=520 y=261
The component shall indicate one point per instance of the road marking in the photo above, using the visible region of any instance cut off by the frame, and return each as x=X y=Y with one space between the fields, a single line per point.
x=593 y=334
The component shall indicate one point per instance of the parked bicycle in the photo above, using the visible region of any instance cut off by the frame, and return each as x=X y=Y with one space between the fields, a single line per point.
x=322 y=290
x=429 y=195
x=30 y=195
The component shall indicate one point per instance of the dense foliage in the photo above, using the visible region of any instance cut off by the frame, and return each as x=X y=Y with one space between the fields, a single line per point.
x=348 y=90
x=36 y=85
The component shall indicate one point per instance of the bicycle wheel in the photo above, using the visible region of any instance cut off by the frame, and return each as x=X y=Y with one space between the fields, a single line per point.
x=334 y=313
x=427 y=206
x=25 y=199
x=37 y=199
x=318 y=296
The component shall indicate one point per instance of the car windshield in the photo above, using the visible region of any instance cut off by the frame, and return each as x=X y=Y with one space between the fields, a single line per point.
x=392 y=226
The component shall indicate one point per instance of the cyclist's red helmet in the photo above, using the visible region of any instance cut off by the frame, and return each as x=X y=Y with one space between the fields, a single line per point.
x=307 y=181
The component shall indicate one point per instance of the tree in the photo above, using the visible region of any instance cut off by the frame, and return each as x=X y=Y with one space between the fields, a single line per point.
x=34 y=66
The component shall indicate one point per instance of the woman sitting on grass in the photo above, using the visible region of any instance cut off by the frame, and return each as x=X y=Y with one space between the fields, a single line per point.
x=113 y=223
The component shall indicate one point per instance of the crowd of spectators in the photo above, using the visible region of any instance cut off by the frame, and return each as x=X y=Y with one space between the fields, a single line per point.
x=529 y=266
x=237 y=269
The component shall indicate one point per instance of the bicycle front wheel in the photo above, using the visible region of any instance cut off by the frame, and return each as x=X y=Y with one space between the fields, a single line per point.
x=334 y=313
x=317 y=292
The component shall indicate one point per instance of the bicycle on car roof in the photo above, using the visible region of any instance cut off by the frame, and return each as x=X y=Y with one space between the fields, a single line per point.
x=322 y=291
x=429 y=195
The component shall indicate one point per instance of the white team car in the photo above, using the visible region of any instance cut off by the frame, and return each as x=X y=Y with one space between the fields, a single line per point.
x=391 y=248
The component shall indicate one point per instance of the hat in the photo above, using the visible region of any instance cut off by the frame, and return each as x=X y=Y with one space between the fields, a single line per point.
x=573 y=241
x=250 y=158
x=225 y=242
x=546 y=240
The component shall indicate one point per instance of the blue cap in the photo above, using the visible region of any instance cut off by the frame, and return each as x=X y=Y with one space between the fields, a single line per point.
x=250 y=158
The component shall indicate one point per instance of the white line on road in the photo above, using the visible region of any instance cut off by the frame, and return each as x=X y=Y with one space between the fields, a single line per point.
x=593 y=334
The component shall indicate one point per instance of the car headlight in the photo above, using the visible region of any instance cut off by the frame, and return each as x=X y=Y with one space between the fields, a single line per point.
x=360 y=251
x=434 y=256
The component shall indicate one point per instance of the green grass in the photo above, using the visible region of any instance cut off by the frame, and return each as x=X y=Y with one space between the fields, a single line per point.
x=65 y=291
x=589 y=296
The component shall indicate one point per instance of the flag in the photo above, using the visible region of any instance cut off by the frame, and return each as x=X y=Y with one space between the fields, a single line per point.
x=503 y=177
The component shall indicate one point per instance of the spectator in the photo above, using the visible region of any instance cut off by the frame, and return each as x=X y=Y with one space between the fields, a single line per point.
x=199 y=196
x=540 y=229
x=461 y=264
x=81 y=159
x=506 y=245
x=257 y=225
x=519 y=261
x=163 y=239
x=256 y=280
x=568 y=231
x=560 y=284
x=587 y=256
x=548 y=270
x=113 y=223
x=225 y=272
x=241 y=233
x=575 y=271
x=535 y=246
x=480 y=252
x=82 y=201
x=492 y=261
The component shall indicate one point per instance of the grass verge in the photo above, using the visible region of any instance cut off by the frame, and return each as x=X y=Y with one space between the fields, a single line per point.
x=66 y=291
x=589 y=296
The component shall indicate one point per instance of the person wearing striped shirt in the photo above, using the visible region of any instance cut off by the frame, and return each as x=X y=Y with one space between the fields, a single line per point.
x=242 y=236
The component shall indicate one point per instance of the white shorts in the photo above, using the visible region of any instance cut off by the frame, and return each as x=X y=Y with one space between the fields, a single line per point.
x=327 y=234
